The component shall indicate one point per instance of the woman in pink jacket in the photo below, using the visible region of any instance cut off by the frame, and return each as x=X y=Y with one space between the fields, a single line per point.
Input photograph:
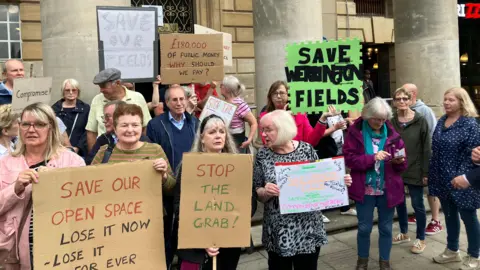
x=39 y=148
x=277 y=100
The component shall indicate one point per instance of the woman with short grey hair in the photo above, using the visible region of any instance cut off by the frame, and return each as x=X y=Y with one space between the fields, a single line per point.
x=293 y=240
x=371 y=151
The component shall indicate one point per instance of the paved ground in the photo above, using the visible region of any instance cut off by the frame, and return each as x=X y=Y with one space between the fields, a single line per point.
x=341 y=252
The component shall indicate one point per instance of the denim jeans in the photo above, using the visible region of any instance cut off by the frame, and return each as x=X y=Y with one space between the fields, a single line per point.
x=416 y=195
x=452 y=221
x=365 y=224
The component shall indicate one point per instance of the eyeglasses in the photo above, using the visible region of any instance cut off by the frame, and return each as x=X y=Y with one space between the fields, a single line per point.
x=106 y=117
x=73 y=91
x=404 y=99
x=36 y=125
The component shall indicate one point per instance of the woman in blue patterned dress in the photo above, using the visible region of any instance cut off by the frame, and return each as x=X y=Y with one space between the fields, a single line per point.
x=456 y=134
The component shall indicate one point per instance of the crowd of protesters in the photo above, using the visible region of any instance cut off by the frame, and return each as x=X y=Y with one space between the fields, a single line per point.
x=387 y=151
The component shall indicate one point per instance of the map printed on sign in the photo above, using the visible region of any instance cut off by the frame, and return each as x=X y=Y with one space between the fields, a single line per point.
x=191 y=58
x=311 y=186
x=128 y=41
x=219 y=107
x=324 y=73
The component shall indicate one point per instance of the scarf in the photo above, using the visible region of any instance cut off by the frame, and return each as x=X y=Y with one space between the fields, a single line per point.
x=368 y=135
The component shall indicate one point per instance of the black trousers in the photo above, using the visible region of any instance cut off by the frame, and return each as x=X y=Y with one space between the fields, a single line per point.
x=227 y=259
x=297 y=262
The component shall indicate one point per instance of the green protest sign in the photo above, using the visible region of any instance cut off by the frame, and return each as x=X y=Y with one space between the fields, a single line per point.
x=325 y=73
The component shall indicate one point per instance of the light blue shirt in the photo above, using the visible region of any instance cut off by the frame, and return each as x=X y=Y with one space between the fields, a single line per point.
x=177 y=124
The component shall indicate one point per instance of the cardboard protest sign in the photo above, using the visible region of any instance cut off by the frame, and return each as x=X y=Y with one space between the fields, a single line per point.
x=311 y=187
x=99 y=217
x=27 y=91
x=215 y=201
x=128 y=41
x=219 y=107
x=190 y=58
x=227 y=43
x=325 y=73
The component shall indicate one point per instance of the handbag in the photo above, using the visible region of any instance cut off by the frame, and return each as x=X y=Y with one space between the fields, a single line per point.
x=9 y=251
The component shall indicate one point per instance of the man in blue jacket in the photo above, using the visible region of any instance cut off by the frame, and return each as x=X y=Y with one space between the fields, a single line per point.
x=175 y=131
x=11 y=70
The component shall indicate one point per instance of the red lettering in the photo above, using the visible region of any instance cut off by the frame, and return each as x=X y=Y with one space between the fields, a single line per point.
x=118 y=209
x=199 y=169
x=67 y=190
x=69 y=215
x=472 y=11
x=126 y=183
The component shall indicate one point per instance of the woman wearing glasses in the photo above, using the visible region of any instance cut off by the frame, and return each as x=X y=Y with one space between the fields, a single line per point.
x=370 y=151
x=413 y=129
x=39 y=148
x=74 y=114
x=278 y=100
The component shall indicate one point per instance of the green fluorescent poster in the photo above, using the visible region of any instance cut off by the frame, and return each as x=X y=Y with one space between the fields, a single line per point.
x=325 y=73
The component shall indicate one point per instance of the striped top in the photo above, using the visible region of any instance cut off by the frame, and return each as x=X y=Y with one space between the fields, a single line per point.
x=146 y=151
x=237 y=125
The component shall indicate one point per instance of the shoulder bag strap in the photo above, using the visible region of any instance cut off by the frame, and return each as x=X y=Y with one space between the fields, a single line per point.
x=108 y=153
x=73 y=126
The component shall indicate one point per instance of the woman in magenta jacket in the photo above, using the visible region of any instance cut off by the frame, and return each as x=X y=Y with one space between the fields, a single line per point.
x=277 y=100
x=371 y=151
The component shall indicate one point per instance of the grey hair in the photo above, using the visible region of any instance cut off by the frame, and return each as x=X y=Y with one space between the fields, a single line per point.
x=283 y=121
x=167 y=93
x=114 y=102
x=233 y=85
x=229 y=146
x=73 y=83
x=377 y=107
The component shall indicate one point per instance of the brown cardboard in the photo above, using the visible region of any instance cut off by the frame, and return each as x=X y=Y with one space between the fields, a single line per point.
x=142 y=194
x=228 y=226
x=190 y=58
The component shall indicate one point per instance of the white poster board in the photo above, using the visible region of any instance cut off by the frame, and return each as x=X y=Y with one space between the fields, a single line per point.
x=311 y=186
x=128 y=41
x=159 y=13
x=338 y=134
x=219 y=107
x=227 y=43
x=27 y=91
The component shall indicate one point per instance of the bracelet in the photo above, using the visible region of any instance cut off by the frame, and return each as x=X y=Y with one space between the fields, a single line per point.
x=321 y=122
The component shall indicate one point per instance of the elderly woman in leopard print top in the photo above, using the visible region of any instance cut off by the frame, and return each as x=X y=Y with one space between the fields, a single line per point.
x=292 y=240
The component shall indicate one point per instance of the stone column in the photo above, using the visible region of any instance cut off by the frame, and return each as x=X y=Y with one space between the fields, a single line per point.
x=426 y=47
x=70 y=42
x=277 y=23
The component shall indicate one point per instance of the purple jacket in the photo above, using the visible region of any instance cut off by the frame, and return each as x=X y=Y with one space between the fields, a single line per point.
x=359 y=163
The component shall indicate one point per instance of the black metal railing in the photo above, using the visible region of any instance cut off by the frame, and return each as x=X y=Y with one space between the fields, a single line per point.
x=370 y=7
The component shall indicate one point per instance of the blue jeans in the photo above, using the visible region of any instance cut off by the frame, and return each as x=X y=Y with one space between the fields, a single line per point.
x=452 y=221
x=416 y=195
x=365 y=224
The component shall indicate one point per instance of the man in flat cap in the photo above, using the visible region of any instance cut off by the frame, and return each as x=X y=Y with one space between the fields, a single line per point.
x=111 y=88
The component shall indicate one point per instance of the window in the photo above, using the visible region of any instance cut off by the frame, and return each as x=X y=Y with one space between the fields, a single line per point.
x=10 y=42
x=370 y=7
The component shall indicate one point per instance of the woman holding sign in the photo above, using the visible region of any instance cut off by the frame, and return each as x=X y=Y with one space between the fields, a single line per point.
x=370 y=152
x=212 y=137
x=39 y=148
x=293 y=241
x=278 y=100
x=128 y=123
